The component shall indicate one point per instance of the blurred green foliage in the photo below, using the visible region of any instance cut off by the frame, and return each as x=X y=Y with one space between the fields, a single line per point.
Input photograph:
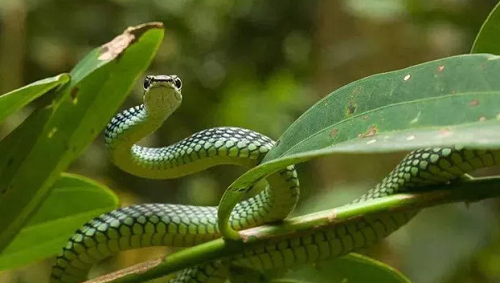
x=351 y=268
x=260 y=64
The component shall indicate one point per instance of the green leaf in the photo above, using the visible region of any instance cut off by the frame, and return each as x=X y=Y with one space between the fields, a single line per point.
x=73 y=200
x=442 y=94
x=352 y=268
x=487 y=39
x=454 y=100
x=52 y=137
x=12 y=101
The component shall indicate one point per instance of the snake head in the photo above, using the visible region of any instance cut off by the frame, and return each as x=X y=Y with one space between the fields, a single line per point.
x=162 y=94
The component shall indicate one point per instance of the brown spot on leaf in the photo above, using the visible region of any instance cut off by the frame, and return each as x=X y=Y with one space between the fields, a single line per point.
x=440 y=68
x=365 y=117
x=444 y=132
x=372 y=130
x=74 y=95
x=482 y=119
x=351 y=108
x=474 y=102
x=334 y=132
x=117 y=45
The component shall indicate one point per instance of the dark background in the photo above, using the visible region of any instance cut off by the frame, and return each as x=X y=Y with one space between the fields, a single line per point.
x=259 y=65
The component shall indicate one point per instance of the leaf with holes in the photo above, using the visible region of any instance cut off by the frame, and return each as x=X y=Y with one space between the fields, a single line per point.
x=36 y=153
x=12 y=101
x=455 y=100
x=73 y=200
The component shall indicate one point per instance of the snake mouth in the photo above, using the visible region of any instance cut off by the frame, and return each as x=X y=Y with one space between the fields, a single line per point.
x=167 y=84
x=163 y=84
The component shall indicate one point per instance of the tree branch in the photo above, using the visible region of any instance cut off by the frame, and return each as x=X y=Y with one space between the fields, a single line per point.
x=467 y=191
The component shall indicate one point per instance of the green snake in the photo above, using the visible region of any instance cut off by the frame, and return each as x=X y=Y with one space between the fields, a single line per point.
x=157 y=224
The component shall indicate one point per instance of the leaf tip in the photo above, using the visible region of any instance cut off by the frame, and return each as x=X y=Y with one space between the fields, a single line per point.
x=119 y=44
x=63 y=78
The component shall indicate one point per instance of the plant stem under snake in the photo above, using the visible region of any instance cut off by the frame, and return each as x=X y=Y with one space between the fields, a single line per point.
x=181 y=225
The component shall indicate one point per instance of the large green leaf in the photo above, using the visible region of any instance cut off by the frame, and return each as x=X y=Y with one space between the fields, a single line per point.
x=73 y=200
x=441 y=94
x=51 y=138
x=12 y=101
x=352 y=268
x=454 y=100
x=487 y=38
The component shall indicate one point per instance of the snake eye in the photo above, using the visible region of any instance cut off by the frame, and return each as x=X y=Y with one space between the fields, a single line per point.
x=177 y=82
x=147 y=83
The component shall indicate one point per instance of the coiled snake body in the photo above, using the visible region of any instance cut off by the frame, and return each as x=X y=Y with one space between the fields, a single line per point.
x=153 y=224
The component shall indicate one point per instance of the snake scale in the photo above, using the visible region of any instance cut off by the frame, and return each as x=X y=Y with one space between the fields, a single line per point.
x=157 y=224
